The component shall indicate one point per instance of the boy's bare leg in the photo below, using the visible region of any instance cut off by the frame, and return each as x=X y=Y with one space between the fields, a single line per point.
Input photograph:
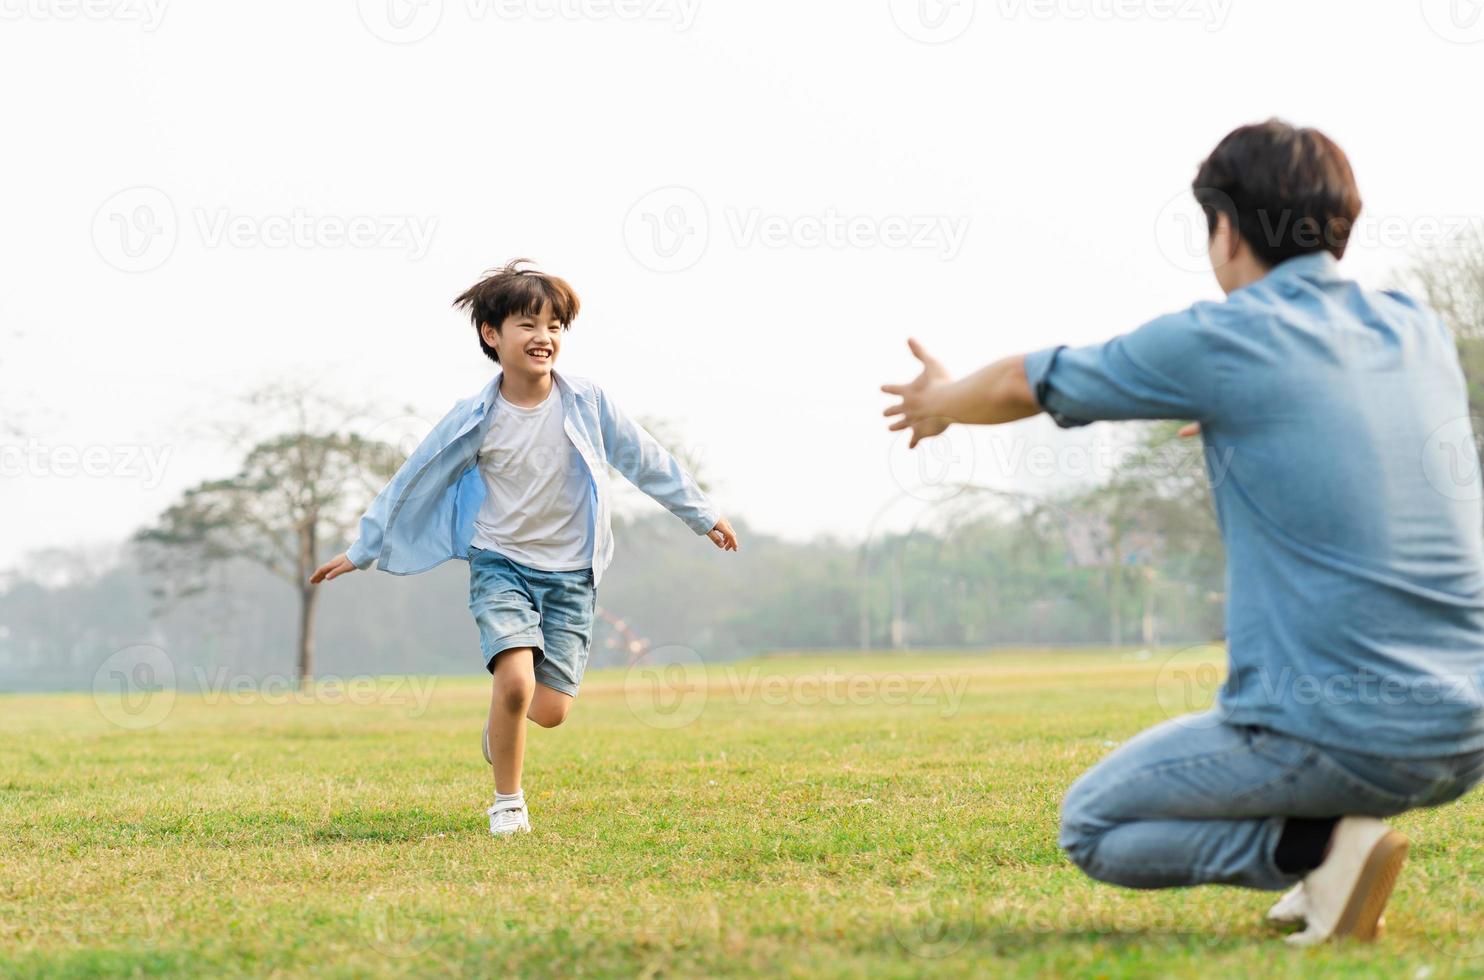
x=512 y=687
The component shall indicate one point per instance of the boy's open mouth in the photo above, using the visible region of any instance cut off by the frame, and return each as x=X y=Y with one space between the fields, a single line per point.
x=539 y=353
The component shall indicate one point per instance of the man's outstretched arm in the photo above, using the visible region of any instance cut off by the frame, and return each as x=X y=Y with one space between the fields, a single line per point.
x=933 y=400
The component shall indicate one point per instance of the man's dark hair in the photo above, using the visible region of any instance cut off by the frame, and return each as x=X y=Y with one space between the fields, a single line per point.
x=1287 y=191
x=514 y=291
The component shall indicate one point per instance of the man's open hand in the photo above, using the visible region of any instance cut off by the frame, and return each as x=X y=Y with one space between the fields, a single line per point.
x=917 y=407
x=723 y=536
x=334 y=568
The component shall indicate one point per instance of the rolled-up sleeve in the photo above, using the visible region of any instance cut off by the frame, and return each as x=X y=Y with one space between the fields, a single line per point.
x=1162 y=370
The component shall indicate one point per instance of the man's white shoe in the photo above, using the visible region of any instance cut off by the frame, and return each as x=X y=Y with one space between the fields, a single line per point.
x=1292 y=907
x=484 y=743
x=509 y=817
x=1347 y=894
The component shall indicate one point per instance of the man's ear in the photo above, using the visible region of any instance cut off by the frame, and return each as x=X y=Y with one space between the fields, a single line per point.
x=1227 y=231
x=490 y=334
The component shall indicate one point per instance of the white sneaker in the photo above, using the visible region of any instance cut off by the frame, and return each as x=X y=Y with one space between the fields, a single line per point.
x=510 y=817
x=484 y=743
x=1292 y=907
x=1347 y=894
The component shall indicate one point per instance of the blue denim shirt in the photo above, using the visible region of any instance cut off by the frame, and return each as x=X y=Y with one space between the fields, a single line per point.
x=1355 y=561
x=425 y=515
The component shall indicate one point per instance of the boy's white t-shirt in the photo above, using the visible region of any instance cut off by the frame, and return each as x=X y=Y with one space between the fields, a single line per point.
x=538 y=505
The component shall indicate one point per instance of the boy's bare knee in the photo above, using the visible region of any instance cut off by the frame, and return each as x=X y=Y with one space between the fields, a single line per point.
x=514 y=698
x=548 y=715
x=513 y=687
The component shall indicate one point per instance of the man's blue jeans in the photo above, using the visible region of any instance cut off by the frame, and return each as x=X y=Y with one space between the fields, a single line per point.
x=1199 y=801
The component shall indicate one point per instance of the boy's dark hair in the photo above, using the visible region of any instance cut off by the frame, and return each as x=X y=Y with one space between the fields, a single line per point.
x=1287 y=191
x=512 y=291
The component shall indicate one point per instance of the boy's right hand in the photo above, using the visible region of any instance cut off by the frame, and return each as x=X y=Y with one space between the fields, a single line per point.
x=334 y=568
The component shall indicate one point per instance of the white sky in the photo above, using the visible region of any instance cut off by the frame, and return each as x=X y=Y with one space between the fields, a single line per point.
x=1049 y=134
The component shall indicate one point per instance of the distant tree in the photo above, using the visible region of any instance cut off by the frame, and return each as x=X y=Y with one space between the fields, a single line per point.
x=294 y=492
x=1451 y=279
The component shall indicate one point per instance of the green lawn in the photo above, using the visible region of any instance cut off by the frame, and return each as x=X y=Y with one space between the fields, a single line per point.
x=781 y=818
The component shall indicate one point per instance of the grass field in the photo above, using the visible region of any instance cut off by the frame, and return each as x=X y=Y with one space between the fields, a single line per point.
x=822 y=815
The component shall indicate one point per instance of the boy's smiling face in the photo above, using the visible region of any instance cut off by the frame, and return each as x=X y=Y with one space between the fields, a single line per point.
x=528 y=343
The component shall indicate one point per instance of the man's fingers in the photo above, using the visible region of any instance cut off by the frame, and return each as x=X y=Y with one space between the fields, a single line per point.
x=896 y=409
x=894 y=389
x=899 y=425
x=1193 y=429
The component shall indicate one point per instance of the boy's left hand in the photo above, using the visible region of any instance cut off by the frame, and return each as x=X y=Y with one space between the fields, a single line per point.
x=723 y=536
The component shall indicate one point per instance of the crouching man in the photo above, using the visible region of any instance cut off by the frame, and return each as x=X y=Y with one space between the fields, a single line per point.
x=1349 y=573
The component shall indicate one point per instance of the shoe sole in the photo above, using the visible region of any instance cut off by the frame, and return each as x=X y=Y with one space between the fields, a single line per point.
x=1361 y=919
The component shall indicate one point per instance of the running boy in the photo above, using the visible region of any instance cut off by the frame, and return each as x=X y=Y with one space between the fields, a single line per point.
x=515 y=481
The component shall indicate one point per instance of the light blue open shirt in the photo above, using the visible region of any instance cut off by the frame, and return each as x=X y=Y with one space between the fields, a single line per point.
x=425 y=515
x=1355 y=574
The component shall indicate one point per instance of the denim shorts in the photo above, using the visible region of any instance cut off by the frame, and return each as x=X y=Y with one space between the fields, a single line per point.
x=515 y=605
